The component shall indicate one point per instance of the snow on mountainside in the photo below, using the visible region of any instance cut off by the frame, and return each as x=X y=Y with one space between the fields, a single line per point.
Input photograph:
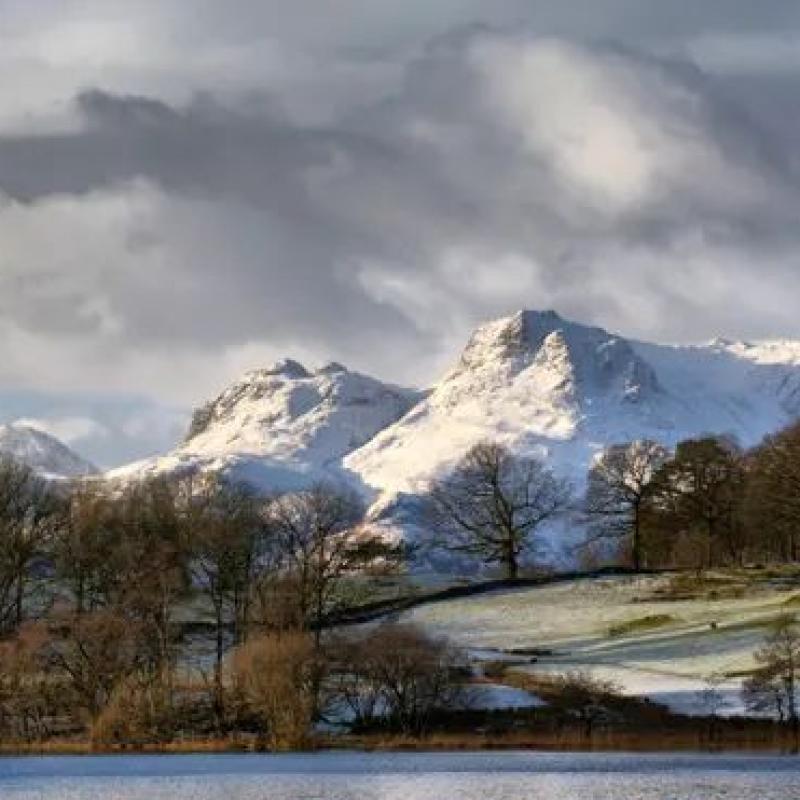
x=563 y=391
x=533 y=381
x=42 y=452
x=282 y=427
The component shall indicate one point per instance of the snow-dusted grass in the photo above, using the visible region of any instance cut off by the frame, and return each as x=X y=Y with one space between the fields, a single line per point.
x=712 y=634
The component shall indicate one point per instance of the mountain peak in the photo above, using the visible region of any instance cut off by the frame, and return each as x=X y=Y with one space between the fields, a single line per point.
x=592 y=356
x=285 y=367
x=282 y=426
x=42 y=452
x=527 y=329
x=546 y=318
x=331 y=368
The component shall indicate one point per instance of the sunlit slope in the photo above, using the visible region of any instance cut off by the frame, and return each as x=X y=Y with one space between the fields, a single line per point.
x=659 y=636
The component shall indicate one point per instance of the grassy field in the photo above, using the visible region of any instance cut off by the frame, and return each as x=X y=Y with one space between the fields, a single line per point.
x=656 y=636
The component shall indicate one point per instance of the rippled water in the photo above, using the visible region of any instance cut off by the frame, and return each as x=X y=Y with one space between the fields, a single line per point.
x=399 y=776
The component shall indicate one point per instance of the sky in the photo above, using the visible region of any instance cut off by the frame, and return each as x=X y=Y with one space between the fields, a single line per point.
x=189 y=190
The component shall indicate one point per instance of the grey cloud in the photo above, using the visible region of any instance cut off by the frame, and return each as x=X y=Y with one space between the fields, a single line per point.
x=361 y=23
x=201 y=146
x=503 y=169
x=254 y=252
x=434 y=166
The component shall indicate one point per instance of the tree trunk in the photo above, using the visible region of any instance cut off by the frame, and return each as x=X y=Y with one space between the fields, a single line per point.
x=512 y=568
x=794 y=716
x=636 y=545
x=218 y=696
x=79 y=600
x=220 y=650
x=710 y=544
x=318 y=612
x=19 y=598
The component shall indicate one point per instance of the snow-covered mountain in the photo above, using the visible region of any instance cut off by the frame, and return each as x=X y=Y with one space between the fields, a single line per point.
x=533 y=381
x=42 y=452
x=282 y=427
x=563 y=391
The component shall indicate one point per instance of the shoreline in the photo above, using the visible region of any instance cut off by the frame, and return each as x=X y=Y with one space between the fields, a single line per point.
x=436 y=743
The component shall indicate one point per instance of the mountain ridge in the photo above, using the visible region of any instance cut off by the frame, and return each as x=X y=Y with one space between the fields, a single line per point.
x=282 y=426
x=548 y=387
x=534 y=381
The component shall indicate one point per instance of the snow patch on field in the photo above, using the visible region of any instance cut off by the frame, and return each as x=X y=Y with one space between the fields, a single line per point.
x=572 y=620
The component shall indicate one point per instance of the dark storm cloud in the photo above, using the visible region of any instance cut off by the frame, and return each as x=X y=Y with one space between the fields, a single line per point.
x=200 y=147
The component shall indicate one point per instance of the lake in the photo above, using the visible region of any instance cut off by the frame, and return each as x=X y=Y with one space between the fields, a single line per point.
x=401 y=776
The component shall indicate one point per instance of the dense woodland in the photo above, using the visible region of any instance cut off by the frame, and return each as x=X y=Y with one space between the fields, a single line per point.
x=102 y=587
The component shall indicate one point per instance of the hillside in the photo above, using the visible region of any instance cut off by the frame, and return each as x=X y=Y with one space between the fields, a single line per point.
x=656 y=636
x=42 y=452
x=537 y=383
x=562 y=391
x=282 y=427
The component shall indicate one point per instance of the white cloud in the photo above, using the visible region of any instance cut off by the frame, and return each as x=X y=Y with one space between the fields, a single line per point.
x=69 y=430
x=621 y=130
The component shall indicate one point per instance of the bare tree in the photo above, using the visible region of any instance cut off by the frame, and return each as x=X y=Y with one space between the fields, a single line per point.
x=123 y=551
x=30 y=511
x=397 y=675
x=355 y=696
x=775 y=686
x=581 y=694
x=151 y=566
x=711 y=701
x=30 y=698
x=322 y=541
x=228 y=540
x=93 y=652
x=492 y=503
x=619 y=486
x=84 y=547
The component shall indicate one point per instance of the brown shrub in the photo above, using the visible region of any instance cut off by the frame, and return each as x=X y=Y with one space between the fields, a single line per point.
x=30 y=700
x=137 y=712
x=277 y=676
x=399 y=676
